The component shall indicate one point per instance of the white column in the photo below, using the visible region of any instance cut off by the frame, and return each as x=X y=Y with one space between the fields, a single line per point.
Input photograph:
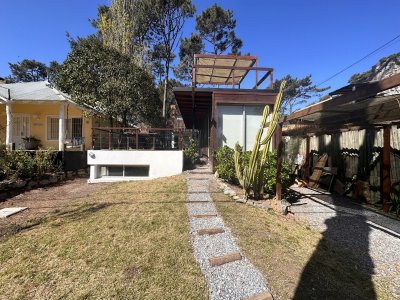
x=8 y=125
x=61 y=128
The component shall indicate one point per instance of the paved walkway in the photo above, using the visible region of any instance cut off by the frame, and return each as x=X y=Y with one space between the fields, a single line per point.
x=233 y=280
x=372 y=237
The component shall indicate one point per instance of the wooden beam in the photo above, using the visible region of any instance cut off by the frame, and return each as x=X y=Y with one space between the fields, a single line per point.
x=361 y=93
x=386 y=185
x=233 y=68
x=262 y=80
x=307 y=161
x=242 y=57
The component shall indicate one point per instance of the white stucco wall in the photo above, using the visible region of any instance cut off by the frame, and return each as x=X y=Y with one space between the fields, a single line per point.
x=161 y=163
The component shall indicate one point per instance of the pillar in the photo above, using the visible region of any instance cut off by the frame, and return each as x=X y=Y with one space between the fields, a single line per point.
x=386 y=184
x=9 y=139
x=61 y=128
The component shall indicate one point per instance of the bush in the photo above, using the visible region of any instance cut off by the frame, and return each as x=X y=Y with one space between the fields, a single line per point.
x=190 y=153
x=226 y=164
x=270 y=174
x=395 y=199
x=23 y=164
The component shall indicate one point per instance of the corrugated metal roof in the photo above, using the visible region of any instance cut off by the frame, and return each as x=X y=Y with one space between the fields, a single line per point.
x=31 y=91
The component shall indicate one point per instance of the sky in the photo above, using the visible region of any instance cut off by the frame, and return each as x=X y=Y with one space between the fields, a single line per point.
x=296 y=37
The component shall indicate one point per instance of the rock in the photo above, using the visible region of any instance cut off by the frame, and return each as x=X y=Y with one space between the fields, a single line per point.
x=232 y=193
x=236 y=197
x=53 y=179
x=3 y=196
x=32 y=184
x=19 y=184
x=3 y=185
x=44 y=182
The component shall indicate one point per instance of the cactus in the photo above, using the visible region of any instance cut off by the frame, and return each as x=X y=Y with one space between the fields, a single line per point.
x=251 y=178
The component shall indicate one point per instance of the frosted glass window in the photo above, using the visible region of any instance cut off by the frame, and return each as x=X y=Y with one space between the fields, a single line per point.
x=253 y=119
x=230 y=125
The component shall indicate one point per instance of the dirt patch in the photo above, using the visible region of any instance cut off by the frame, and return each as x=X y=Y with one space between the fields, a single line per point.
x=42 y=202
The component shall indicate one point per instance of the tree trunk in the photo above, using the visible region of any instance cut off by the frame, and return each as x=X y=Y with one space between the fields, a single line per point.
x=165 y=91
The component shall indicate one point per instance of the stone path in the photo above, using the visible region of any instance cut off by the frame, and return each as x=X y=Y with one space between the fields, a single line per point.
x=228 y=273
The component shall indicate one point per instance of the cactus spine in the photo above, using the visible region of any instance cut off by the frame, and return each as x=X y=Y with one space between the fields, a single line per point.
x=252 y=177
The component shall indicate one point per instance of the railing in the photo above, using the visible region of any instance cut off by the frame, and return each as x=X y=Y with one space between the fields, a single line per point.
x=121 y=138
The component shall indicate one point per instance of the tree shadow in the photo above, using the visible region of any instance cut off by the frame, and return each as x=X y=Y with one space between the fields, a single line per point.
x=333 y=272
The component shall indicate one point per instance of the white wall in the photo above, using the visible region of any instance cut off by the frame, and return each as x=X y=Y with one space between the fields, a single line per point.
x=161 y=163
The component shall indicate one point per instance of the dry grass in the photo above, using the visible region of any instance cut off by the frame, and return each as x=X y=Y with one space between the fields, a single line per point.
x=297 y=261
x=129 y=241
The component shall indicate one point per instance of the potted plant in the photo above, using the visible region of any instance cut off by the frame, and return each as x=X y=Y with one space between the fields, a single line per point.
x=31 y=143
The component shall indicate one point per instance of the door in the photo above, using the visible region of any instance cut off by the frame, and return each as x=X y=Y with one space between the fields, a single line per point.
x=20 y=126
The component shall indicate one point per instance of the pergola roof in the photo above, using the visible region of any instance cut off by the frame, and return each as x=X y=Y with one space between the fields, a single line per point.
x=360 y=107
x=30 y=91
x=217 y=69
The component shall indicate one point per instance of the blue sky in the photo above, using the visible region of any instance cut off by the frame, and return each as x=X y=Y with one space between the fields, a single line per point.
x=294 y=37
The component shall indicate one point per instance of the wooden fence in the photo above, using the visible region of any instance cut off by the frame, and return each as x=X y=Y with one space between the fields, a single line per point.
x=353 y=153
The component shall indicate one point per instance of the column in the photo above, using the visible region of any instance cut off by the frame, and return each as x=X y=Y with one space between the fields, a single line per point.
x=9 y=139
x=61 y=128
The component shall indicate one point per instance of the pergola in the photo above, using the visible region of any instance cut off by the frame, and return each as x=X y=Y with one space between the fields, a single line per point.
x=353 y=107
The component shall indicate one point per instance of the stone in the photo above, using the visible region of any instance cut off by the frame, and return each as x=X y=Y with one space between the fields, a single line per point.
x=210 y=231
x=44 y=182
x=32 y=184
x=221 y=260
x=53 y=179
x=3 y=196
x=19 y=184
x=6 y=212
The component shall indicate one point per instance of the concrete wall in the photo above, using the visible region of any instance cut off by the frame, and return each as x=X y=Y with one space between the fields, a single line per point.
x=161 y=163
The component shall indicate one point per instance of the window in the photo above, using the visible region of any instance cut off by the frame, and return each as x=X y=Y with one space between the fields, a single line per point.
x=125 y=171
x=73 y=129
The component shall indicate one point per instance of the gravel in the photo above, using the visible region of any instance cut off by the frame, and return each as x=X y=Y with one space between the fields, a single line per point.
x=372 y=237
x=235 y=280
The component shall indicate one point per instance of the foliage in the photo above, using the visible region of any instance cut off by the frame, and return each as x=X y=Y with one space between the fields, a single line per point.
x=252 y=178
x=23 y=164
x=297 y=91
x=216 y=26
x=226 y=164
x=191 y=153
x=27 y=70
x=103 y=78
x=167 y=24
x=187 y=49
x=370 y=75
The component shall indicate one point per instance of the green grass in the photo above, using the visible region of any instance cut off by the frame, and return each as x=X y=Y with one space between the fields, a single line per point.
x=129 y=241
x=297 y=261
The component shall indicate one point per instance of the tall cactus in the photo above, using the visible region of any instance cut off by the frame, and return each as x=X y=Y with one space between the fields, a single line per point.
x=252 y=177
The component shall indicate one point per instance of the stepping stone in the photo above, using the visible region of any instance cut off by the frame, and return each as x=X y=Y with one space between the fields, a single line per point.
x=262 y=296
x=210 y=231
x=221 y=260
x=205 y=216
x=6 y=212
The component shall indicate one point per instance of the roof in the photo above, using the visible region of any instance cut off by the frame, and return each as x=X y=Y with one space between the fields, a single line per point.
x=31 y=91
x=203 y=100
x=361 y=107
x=216 y=69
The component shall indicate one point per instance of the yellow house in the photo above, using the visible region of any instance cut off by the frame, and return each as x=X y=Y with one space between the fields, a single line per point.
x=35 y=109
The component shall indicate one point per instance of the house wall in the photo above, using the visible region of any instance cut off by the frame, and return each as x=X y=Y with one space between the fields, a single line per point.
x=38 y=113
x=161 y=163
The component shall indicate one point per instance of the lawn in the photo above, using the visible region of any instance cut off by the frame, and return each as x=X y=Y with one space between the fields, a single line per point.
x=296 y=260
x=128 y=241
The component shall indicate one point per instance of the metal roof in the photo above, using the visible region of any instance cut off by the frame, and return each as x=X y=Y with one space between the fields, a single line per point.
x=31 y=91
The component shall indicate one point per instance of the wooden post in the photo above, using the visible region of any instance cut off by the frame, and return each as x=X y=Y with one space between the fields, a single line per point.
x=307 y=161
x=386 y=184
x=137 y=139
x=213 y=132
x=109 y=139
x=278 y=193
x=257 y=73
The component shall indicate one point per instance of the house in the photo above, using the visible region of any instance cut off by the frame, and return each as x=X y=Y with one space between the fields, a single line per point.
x=227 y=115
x=36 y=109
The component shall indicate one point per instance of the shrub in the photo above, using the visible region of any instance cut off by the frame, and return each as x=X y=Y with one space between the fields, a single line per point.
x=395 y=199
x=270 y=173
x=226 y=164
x=190 y=153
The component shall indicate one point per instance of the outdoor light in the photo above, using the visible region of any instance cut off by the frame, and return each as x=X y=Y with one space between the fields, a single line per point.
x=92 y=155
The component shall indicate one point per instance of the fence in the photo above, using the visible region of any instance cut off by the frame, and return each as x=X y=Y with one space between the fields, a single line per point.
x=141 y=138
x=353 y=153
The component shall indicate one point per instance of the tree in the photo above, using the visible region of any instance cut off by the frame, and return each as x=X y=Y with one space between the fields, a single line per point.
x=52 y=71
x=297 y=91
x=170 y=16
x=105 y=79
x=187 y=49
x=27 y=70
x=216 y=26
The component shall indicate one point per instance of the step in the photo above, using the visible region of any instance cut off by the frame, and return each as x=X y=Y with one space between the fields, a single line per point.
x=205 y=215
x=224 y=259
x=262 y=296
x=210 y=231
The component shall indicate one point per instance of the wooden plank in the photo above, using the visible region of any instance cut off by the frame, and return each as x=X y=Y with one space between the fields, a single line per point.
x=386 y=168
x=205 y=216
x=210 y=231
x=221 y=260
x=318 y=169
x=262 y=296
